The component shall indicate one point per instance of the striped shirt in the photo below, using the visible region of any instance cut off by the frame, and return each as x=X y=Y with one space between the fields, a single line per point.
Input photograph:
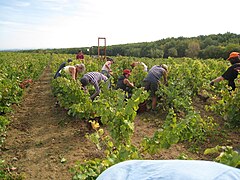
x=95 y=79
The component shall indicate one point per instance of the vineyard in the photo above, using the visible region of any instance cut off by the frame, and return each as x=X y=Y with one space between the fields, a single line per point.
x=79 y=138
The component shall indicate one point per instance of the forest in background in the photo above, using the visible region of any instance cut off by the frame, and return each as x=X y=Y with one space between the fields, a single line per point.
x=203 y=47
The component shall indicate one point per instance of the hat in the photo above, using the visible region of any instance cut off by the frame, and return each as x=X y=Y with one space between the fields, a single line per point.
x=69 y=60
x=164 y=66
x=126 y=71
x=84 y=81
x=233 y=55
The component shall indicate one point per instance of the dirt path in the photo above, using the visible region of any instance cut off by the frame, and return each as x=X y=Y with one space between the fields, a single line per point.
x=41 y=134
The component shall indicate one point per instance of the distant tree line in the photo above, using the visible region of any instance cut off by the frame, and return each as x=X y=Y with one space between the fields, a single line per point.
x=204 y=47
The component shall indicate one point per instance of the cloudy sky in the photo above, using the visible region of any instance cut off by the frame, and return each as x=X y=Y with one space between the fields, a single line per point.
x=27 y=24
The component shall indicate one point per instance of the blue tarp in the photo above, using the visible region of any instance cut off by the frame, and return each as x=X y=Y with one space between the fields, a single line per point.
x=170 y=169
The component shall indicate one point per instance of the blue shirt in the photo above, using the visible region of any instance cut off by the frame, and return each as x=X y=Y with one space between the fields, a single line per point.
x=155 y=74
x=170 y=170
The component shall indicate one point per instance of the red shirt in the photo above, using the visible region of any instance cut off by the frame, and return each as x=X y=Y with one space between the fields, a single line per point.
x=80 y=56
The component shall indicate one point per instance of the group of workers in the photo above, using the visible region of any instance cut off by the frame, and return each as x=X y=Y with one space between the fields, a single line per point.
x=150 y=82
x=95 y=78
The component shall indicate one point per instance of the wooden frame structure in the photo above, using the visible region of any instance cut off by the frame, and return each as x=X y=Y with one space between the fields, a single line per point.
x=103 y=55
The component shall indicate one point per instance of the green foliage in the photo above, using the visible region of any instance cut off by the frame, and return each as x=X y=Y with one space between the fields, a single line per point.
x=118 y=113
x=228 y=107
x=226 y=155
x=3 y=123
x=92 y=168
x=137 y=76
x=190 y=128
x=193 y=49
x=5 y=173
x=72 y=97
x=15 y=68
x=204 y=47
x=187 y=78
x=22 y=66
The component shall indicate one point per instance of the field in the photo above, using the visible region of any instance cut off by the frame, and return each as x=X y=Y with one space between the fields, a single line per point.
x=43 y=140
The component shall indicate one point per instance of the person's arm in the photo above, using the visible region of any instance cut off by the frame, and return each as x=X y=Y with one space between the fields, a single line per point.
x=73 y=72
x=218 y=79
x=165 y=78
x=97 y=89
x=107 y=65
x=76 y=74
x=85 y=89
x=237 y=69
x=145 y=66
x=128 y=83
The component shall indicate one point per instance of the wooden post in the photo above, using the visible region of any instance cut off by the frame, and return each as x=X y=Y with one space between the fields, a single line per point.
x=104 y=48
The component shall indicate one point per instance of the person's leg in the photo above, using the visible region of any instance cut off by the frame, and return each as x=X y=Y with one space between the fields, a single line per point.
x=146 y=85
x=57 y=75
x=154 y=87
x=154 y=102
x=232 y=84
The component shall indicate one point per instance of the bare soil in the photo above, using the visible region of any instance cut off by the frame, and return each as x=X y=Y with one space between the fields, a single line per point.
x=41 y=134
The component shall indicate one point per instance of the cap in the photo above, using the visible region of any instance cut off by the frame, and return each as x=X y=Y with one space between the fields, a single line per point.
x=84 y=81
x=164 y=66
x=126 y=71
x=233 y=55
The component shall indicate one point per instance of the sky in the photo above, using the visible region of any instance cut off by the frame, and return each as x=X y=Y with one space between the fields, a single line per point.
x=41 y=24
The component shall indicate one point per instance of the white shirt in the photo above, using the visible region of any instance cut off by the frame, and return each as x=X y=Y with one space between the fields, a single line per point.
x=145 y=66
x=104 y=68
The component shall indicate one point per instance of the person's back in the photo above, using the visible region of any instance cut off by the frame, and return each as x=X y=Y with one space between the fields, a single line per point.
x=232 y=72
x=144 y=66
x=80 y=55
x=93 y=78
x=124 y=83
x=154 y=74
x=170 y=169
x=57 y=74
x=120 y=83
x=66 y=69
x=151 y=82
x=106 y=68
